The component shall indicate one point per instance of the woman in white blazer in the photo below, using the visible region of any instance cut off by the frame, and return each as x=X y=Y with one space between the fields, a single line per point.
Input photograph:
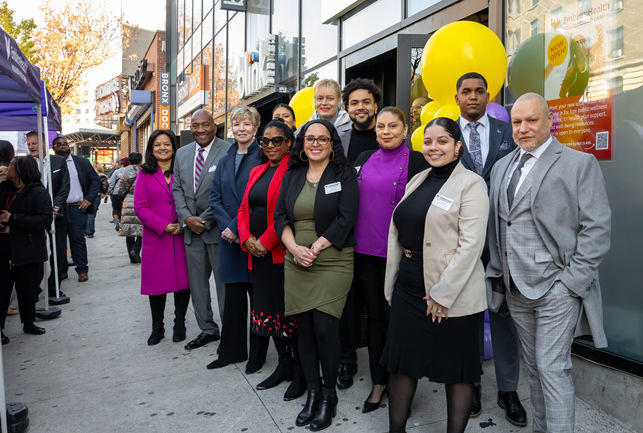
x=435 y=280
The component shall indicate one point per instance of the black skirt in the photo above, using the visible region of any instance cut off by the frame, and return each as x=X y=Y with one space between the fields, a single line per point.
x=446 y=352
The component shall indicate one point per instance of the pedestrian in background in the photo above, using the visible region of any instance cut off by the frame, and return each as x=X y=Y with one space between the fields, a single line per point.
x=163 y=266
x=266 y=253
x=382 y=178
x=26 y=214
x=131 y=226
x=91 y=216
x=314 y=217
x=228 y=184
x=434 y=280
x=112 y=191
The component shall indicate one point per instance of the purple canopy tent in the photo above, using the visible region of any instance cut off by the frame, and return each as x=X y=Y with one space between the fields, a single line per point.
x=23 y=116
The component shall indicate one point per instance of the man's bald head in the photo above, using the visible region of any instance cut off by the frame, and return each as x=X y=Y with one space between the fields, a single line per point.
x=531 y=121
x=202 y=127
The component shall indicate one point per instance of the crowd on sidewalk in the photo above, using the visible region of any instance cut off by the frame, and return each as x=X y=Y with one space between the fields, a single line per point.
x=308 y=230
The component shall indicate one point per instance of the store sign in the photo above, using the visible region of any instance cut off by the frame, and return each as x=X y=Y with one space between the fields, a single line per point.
x=234 y=5
x=258 y=68
x=192 y=93
x=164 y=108
x=139 y=76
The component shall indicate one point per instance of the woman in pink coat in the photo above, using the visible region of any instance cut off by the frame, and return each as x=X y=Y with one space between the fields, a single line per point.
x=163 y=265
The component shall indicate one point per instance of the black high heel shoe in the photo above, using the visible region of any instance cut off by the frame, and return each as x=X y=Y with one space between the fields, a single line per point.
x=327 y=410
x=310 y=408
x=370 y=407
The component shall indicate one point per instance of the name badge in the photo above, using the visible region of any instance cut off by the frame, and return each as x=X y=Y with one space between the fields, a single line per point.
x=442 y=202
x=212 y=168
x=333 y=187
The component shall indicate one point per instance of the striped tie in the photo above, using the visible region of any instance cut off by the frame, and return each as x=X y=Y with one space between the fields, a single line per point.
x=198 y=167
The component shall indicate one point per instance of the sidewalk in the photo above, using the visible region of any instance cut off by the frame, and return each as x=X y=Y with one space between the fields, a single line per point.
x=92 y=372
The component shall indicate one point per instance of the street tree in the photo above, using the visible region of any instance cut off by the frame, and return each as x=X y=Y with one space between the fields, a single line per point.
x=21 y=31
x=75 y=37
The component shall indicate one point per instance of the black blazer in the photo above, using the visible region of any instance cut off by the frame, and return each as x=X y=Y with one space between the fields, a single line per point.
x=59 y=181
x=501 y=143
x=31 y=214
x=89 y=180
x=334 y=213
x=417 y=163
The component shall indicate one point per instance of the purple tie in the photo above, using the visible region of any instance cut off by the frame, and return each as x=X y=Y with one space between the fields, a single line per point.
x=198 y=167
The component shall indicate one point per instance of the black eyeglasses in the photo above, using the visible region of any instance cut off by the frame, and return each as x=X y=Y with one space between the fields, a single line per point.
x=322 y=139
x=276 y=141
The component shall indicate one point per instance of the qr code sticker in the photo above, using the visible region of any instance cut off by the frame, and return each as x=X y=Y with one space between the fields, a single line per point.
x=602 y=140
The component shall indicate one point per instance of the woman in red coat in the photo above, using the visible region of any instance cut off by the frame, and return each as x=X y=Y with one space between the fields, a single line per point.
x=257 y=235
x=163 y=264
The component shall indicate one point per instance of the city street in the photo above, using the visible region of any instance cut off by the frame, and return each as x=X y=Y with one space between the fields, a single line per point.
x=92 y=372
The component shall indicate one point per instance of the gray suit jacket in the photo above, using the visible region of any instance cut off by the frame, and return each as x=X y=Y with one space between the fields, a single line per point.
x=345 y=131
x=572 y=216
x=191 y=202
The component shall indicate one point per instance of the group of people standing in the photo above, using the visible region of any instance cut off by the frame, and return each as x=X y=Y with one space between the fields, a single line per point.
x=311 y=227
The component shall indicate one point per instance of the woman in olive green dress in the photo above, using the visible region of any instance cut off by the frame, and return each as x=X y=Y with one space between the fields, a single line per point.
x=315 y=214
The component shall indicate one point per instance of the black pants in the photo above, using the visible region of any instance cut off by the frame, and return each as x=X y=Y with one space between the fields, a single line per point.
x=60 y=245
x=319 y=344
x=27 y=279
x=157 y=307
x=76 y=224
x=134 y=244
x=349 y=328
x=117 y=204
x=368 y=284
x=234 y=330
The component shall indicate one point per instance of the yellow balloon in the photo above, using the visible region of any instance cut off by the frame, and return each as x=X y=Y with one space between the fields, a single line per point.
x=417 y=138
x=452 y=111
x=459 y=48
x=428 y=111
x=303 y=104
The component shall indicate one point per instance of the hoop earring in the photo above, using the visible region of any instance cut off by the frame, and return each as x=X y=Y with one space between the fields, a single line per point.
x=301 y=157
x=332 y=155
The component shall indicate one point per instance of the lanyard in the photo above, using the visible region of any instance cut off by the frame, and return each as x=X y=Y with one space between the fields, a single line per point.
x=11 y=199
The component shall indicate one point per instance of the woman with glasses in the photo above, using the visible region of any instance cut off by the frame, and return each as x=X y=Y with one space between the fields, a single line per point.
x=228 y=184
x=314 y=218
x=266 y=256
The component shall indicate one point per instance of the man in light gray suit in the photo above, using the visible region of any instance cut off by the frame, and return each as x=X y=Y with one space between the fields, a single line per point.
x=549 y=229
x=194 y=167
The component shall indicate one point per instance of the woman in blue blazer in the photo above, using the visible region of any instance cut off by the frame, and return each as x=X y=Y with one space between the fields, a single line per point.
x=228 y=186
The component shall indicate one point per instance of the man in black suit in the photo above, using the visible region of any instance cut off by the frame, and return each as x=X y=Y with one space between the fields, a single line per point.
x=60 y=191
x=486 y=140
x=84 y=185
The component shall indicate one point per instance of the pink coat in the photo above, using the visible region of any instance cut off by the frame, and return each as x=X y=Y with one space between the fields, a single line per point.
x=163 y=265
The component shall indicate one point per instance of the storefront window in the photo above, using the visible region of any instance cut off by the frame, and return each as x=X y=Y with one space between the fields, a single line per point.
x=585 y=59
x=373 y=18
x=326 y=71
x=318 y=41
x=415 y=6
x=196 y=13
x=258 y=27
x=219 y=63
x=284 y=24
x=180 y=17
x=220 y=19
x=236 y=32
x=188 y=19
x=206 y=55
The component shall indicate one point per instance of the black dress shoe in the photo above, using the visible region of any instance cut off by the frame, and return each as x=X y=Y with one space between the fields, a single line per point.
x=202 y=340
x=33 y=329
x=476 y=405
x=325 y=413
x=345 y=375
x=217 y=363
x=254 y=366
x=5 y=339
x=297 y=387
x=155 y=337
x=514 y=412
x=178 y=334
x=370 y=407
x=310 y=408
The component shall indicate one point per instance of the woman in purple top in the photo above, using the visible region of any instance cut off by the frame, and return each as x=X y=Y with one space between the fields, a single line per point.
x=382 y=177
x=163 y=264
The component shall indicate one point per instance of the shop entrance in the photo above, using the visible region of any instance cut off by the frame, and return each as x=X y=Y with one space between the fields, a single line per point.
x=382 y=71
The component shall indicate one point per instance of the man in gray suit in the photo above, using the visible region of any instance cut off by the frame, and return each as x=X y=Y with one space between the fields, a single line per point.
x=485 y=141
x=193 y=171
x=549 y=229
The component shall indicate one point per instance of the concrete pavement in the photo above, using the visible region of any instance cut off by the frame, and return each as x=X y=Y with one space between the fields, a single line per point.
x=92 y=372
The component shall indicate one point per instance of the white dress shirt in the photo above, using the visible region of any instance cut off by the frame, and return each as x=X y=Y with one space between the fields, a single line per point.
x=529 y=164
x=75 y=190
x=483 y=131
x=206 y=150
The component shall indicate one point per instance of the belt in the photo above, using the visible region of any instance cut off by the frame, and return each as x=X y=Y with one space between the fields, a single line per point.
x=76 y=203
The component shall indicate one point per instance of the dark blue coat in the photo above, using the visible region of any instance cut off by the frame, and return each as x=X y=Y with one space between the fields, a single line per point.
x=226 y=194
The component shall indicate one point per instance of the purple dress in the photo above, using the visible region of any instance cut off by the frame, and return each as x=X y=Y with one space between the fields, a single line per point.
x=163 y=265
